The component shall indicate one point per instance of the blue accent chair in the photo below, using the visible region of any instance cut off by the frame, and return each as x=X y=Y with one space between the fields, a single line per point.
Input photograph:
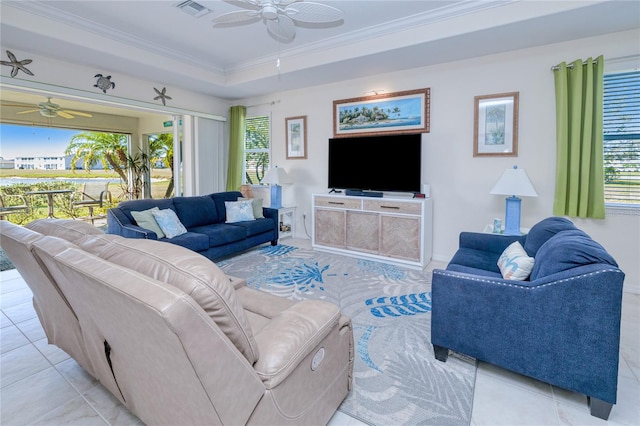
x=561 y=326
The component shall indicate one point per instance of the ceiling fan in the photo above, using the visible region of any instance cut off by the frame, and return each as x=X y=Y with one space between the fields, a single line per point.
x=280 y=16
x=50 y=110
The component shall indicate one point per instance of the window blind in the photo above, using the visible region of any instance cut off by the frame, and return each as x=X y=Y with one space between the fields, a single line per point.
x=621 y=127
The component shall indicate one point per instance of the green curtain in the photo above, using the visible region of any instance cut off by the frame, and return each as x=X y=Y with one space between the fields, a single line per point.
x=237 y=117
x=579 y=139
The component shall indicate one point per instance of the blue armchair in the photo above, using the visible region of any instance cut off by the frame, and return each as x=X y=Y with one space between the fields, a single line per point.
x=561 y=326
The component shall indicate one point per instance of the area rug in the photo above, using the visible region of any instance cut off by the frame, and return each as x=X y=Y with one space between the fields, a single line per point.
x=397 y=380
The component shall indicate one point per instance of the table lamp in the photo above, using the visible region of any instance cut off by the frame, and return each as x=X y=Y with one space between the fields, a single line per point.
x=275 y=177
x=513 y=182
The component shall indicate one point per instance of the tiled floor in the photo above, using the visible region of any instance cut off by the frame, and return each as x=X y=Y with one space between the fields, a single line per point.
x=40 y=384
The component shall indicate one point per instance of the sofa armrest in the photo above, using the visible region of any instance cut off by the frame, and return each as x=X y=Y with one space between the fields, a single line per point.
x=273 y=215
x=119 y=224
x=494 y=243
x=290 y=336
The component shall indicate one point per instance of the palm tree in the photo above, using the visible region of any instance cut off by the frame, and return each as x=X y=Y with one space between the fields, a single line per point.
x=161 y=148
x=110 y=149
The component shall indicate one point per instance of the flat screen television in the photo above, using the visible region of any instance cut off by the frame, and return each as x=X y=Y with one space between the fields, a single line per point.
x=376 y=163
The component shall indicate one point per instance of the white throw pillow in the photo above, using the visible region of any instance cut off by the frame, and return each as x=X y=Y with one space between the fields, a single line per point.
x=239 y=211
x=169 y=223
x=514 y=263
x=145 y=219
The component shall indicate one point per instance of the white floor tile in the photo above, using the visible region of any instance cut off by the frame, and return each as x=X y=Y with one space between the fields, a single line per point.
x=497 y=402
x=514 y=379
x=76 y=412
x=11 y=338
x=20 y=363
x=76 y=375
x=29 y=399
x=21 y=312
x=15 y=298
x=32 y=329
x=109 y=407
x=11 y=284
x=4 y=321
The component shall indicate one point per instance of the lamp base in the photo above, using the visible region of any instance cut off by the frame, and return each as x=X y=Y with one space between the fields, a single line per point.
x=512 y=216
x=276 y=197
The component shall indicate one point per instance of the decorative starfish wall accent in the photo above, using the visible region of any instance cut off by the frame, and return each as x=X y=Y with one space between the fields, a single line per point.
x=16 y=64
x=162 y=95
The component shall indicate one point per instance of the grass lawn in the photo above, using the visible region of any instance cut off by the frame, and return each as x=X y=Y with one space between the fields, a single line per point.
x=48 y=174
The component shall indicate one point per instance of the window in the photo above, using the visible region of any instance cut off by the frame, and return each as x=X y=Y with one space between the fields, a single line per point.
x=622 y=138
x=257 y=138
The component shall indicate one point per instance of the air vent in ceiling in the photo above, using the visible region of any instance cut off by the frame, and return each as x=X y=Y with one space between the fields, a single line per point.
x=192 y=8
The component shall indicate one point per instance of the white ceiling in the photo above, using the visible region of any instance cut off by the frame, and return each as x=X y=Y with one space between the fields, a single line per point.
x=155 y=40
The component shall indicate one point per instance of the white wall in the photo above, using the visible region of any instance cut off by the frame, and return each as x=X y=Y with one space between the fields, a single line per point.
x=460 y=183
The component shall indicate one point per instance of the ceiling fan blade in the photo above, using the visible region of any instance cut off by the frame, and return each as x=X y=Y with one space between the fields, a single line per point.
x=314 y=13
x=15 y=105
x=237 y=17
x=282 y=28
x=64 y=114
x=27 y=111
x=80 y=113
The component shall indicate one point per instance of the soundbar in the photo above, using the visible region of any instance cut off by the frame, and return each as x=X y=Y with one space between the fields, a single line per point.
x=359 y=193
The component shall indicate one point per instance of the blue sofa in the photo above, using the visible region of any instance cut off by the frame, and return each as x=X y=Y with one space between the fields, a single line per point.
x=204 y=217
x=560 y=326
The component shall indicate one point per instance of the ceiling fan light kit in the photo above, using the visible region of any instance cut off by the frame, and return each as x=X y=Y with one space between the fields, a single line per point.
x=280 y=16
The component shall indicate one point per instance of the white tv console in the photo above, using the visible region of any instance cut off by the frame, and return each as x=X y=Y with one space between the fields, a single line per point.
x=392 y=230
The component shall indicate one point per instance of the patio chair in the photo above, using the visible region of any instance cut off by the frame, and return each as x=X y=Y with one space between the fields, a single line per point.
x=91 y=195
x=10 y=204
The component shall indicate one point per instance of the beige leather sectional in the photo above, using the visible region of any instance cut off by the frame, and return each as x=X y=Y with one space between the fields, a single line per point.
x=175 y=339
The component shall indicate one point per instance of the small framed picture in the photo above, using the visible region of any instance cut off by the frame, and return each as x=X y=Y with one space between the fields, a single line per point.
x=296 y=137
x=496 y=125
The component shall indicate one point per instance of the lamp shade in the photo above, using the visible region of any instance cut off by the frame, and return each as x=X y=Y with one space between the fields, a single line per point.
x=276 y=176
x=514 y=182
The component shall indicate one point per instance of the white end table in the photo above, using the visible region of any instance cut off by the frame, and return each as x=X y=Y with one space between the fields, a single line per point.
x=287 y=221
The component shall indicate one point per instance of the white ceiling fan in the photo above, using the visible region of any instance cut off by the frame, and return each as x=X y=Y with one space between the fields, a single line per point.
x=280 y=16
x=50 y=110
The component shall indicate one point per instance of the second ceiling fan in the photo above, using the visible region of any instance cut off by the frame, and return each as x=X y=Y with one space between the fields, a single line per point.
x=50 y=110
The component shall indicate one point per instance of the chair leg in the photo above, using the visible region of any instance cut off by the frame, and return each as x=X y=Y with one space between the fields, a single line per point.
x=441 y=353
x=599 y=408
x=91 y=214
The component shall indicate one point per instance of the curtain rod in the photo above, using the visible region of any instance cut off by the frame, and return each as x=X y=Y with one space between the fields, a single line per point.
x=264 y=103
x=570 y=66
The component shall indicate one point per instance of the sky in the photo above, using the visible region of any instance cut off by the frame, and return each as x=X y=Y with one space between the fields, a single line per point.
x=22 y=141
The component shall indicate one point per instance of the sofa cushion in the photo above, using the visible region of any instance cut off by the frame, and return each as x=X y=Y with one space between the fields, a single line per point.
x=169 y=222
x=190 y=272
x=191 y=240
x=67 y=229
x=473 y=271
x=220 y=197
x=220 y=234
x=239 y=211
x=196 y=211
x=514 y=263
x=146 y=220
x=567 y=250
x=543 y=230
x=479 y=259
x=256 y=227
x=145 y=204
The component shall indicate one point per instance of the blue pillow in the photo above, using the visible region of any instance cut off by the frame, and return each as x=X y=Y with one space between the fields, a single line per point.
x=239 y=211
x=169 y=223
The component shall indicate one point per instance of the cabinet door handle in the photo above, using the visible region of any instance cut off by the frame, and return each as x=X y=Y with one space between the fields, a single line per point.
x=337 y=203
x=390 y=207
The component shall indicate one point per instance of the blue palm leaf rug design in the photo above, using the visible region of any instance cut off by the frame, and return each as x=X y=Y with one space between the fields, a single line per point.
x=397 y=380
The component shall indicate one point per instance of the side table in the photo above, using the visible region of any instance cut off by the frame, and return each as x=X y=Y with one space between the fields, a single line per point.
x=287 y=221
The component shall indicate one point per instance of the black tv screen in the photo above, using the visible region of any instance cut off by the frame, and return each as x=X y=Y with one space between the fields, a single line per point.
x=376 y=163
